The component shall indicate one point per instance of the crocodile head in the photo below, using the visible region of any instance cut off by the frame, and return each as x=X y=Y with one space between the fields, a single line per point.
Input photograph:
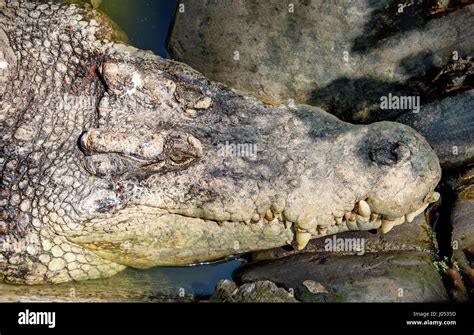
x=115 y=157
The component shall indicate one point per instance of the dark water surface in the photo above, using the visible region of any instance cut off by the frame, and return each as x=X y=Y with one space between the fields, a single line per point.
x=198 y=280
x=146 y=22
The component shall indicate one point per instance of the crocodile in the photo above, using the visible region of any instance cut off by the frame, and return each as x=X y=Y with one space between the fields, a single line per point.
x=114 y=157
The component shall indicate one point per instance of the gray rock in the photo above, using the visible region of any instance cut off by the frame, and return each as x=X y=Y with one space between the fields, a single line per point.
x=342 y=56
x=397 y=276
x=448 y=125
x=463 y=230
x=260 y=291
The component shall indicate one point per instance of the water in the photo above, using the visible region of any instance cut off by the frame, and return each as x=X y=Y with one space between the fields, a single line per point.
x=183 y=283
x=146 y=22
x=198 y=280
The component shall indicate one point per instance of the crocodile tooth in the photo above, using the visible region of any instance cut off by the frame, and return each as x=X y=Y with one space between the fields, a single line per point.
x=302 y=239
x=256 y=218
x=362 y=219
x=433 y=197
x=269 y=215
x=288 y=224
x=374 y=217
x=363 y=223
x=363 y=208
x=386 y=226
x=399 y=221
x=352 y=225
x=322 y=230
x=288 y=242
x=338 y=221
x=247 y=222
x=411 y=216
x=347 y=216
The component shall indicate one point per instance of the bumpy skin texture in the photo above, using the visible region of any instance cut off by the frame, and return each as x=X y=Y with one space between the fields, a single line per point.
x=112 y=157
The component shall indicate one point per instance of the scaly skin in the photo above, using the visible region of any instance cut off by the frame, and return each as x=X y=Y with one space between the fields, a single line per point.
x=112 y=157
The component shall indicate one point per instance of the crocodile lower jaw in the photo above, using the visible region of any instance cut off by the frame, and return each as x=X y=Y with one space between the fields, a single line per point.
x=144 y=237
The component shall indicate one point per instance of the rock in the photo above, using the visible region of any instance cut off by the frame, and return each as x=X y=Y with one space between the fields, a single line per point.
x=259 y=291
x=394 y=276
x=448 y=125
x=410 y=236
x=314 y=287
x=342 y=57
x=463 y=230
x=456 y=285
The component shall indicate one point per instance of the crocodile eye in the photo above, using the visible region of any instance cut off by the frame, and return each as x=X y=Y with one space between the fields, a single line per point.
x=182 y=149
x=181 y=158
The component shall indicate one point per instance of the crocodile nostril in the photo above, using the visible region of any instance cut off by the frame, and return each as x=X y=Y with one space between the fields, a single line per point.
x=389 y=153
